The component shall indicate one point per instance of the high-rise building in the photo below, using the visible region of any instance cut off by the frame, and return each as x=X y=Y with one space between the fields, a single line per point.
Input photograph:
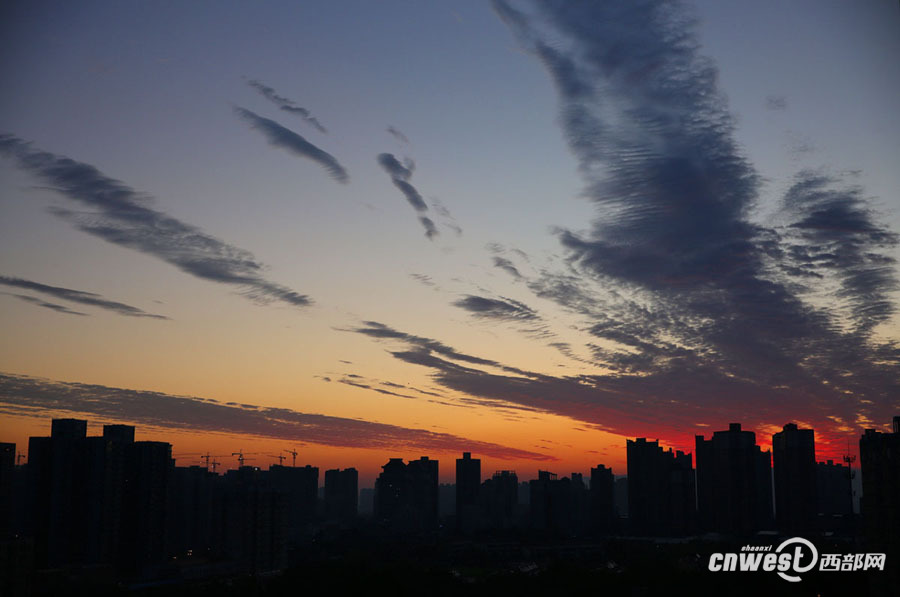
x=558 y=506
x=500 y=496
x=300 y=487
x=834 y=495
x=879 y=456
x=7 y=476
x=661 y=499
x=406 y=495
x=341 y=494
x=794 y=463
x=148 y=475
x=603 y=509
x=468 y=484
x=734 y=482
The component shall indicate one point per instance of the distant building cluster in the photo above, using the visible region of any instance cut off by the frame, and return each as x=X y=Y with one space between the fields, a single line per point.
x=121 y=507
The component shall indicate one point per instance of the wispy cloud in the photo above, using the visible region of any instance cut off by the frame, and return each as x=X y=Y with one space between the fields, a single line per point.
x=397 y=134
x=503 y=308
x=400 y=175
x=291 y=141
x=36 y=301
x=285 y=104
x=507 y=266
x=24 y=395
x=75 y=296
x=120 y=215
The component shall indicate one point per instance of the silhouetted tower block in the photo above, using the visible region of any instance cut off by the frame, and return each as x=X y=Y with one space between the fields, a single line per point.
x=794 y=461
x=68 y=429
x=255 y=507
x=195 y=514
x=424 y=484
x=499 y=494
x=734 y=486
x=660 y=489
x=879 y=456
x=7 y=476
x=341 y=491
x=602 y=499
x=468 y=484
x=579 y=504
x=300 y=486
x=148 y=475
x=76 y=489
x=833 y=489
x=392 y=495
x=557 y=506
x=57 y=494
x=104 y=483
x=406 y=495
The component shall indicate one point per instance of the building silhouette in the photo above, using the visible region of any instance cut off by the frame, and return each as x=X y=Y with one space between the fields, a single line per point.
x=558 y=506
x=7 y=485
x=879 y=455
x=406 y=495
x=500 y=500
x=734 y=483
x=468 y=486
x=341 y=494
x=255 y=513
x=300 y=487
x=602 y=499
x=833 y=489
x=661 y=498
x=794 y=464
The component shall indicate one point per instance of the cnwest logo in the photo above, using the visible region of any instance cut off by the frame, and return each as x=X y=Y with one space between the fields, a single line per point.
x=789 y=563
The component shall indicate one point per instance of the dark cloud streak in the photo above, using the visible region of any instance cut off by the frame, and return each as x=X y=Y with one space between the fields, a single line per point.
x=400 y=175
x=121 y=216
x=77 y=296
x=294 y=143
x=287 y=105
x=22 y=395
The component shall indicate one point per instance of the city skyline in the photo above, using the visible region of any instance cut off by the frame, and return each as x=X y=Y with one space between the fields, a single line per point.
x=527 y=231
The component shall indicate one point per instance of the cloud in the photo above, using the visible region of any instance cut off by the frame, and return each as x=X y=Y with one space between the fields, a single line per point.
x=120 y=215
x=448 y=220
x=294 y=143
x=693 y=313
x=75 y=296
x=507 y=266
x=286 y=104
x=397 y=134
x=430 y=229
x=505 y=308
x=36 y=301
x=28 y=396
x=776 y=102
x=400 y=175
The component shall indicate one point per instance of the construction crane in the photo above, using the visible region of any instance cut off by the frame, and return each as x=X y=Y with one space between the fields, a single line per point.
x=850 y=459
x=242 y=457
x=293 y=453
x=207 y=457
x=280 y=458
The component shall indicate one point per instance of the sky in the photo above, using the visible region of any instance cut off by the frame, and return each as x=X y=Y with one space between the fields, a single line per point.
x=530 y=231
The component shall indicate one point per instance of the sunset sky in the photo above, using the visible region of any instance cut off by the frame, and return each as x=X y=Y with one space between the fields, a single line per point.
x=365 y=230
